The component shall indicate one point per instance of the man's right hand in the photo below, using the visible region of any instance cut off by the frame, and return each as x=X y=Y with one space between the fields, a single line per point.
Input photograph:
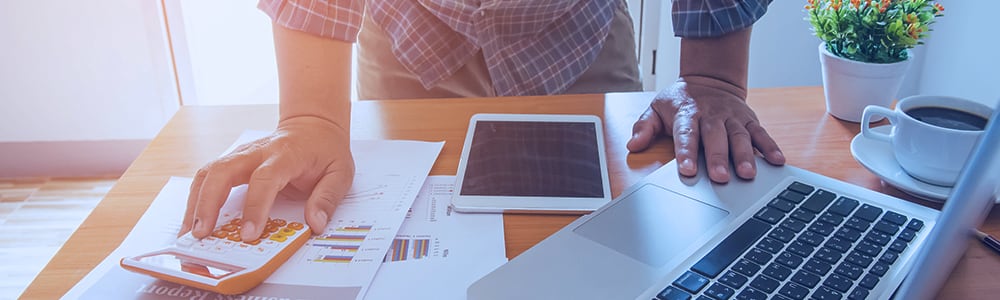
x=304 y=154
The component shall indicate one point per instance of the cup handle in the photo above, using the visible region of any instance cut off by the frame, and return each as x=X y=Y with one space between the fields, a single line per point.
x=870 y=112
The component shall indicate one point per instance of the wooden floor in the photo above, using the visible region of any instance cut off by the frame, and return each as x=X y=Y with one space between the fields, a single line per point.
x=37 y=216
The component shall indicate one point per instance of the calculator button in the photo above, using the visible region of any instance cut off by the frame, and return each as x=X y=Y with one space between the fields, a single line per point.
x=236 y=221
x=253 y=242
x=296 y=225
x=280 y=222
x=186 y=241
x=220 y=234
x=286 y=232
x=230 y=228
x=271 y=228
x=235 y=236
x=278 y=238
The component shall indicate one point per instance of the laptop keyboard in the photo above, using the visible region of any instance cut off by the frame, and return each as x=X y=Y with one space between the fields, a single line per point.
x=807 y=243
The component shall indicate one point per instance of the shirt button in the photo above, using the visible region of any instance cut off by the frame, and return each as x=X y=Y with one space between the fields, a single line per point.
x=482 y=13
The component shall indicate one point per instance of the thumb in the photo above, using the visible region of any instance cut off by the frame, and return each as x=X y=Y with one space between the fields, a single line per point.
x=644 y=131
x=323 y=200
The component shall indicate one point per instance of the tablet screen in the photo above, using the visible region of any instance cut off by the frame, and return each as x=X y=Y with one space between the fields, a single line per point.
x=534 y=159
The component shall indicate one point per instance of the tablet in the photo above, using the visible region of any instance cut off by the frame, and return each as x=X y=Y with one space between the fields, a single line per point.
x=532 y=164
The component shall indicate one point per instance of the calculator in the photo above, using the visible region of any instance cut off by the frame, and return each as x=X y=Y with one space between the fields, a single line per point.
x=223 y=262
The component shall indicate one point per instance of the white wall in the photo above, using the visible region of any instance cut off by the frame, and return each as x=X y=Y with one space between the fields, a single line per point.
x=962 y=53
x=225 y=52
x=83 y=70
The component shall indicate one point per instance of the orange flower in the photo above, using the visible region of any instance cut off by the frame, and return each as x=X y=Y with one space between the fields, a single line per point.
x=836 y=4
x=938 y=8
x=911 y=18
x=856 y=4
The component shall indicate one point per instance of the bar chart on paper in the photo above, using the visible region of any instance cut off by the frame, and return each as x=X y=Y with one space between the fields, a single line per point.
x=415 y=247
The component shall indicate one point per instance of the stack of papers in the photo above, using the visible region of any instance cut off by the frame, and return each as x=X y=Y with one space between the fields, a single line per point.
x=405 y=241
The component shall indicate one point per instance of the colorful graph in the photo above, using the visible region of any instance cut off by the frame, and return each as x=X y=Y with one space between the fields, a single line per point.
x=401 y=249
x=340 y=245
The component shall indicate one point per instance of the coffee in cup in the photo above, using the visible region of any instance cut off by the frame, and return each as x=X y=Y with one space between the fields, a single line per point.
x=931 y=136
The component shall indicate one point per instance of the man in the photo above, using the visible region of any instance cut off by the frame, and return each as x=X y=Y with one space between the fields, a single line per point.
x=479 y=48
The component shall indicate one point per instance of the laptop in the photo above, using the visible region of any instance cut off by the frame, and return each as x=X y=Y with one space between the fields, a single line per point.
x=788 y=234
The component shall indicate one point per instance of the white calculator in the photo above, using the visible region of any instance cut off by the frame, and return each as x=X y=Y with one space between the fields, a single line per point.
x=223 y=262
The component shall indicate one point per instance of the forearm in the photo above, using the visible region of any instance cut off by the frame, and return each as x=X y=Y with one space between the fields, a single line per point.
x=314 y=76
x=720 y=59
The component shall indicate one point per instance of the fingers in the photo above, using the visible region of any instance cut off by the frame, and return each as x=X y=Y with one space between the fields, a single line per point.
x=329 y=191
x=219 y=178
x=644 y=131
x=192 y=201
x=686 y=142
x=740 y=149
x=765 y=144
x=716 y=144
x=265 y=183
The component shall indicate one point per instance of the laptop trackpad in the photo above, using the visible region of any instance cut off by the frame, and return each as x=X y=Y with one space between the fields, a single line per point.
x=651 y=224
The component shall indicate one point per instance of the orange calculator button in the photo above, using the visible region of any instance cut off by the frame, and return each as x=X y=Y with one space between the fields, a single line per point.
x=253 y=242
x=220 y=234
x=230 y=227
x=286 y=231
x=280 y=222
x=236 y=221
x=278 y=238
x=235 y=236
x=271 y=228
x=296 y=225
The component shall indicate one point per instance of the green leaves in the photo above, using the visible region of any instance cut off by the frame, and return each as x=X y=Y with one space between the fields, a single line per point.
x=872 y=31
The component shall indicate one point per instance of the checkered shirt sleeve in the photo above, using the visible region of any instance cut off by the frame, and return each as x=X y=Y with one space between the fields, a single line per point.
x=336 y=19
x=710 y=18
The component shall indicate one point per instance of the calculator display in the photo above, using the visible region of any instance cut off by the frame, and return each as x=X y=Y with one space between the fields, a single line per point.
x=190 y=265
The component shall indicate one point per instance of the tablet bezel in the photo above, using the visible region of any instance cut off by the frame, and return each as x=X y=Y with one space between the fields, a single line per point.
x=530 y=204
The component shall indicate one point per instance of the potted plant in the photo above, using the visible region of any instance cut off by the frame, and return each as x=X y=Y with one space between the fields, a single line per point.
x=865 y=49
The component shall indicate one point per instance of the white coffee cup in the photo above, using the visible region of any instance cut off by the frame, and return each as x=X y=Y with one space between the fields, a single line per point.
x=930 y=153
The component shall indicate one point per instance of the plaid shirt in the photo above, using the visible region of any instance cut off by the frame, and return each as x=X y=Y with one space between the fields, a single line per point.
x=536 y=47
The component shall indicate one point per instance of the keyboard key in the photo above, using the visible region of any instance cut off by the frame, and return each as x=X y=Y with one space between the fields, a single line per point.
x=811 y=238
x=770 y=245
x=850 y=271
x=822 y=228
x=782 y=234
x=789 y=260
x=691 y=282
x=673 y=293
x=719 y=292
x=746 y=267
x=878 y=238
x=838 y=283
x=838 y=245
x=782 y=205
x=765 y=284
x=857 y=224
x=886 y=227
x=731 y=247
x=802 y=188
x=703 y=297
x=770 y=215
x=879 y=269
x=816 y=266
x=859 y=259
x=894 y=218
x=777 y=271
x=843 y=206
x=818 y=201
x=869 y=281
x=803 y=215
x=794 y=225
x=915 y=224
x=751 y=294
x=907 y=235
x=733 y=279
x=828 y=255
x=758 y=256
x=868 y=213
x=826 y=293
x=889 y=257
x=792 y=196
x=806 y=279
x=898 y=245
x=794 y=291
x=831 y=218
x=868 y=248
x=800 y=248
x=859 y=293
x=848 y=234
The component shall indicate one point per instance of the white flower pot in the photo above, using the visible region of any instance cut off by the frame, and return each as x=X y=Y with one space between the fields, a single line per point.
x=850 y=85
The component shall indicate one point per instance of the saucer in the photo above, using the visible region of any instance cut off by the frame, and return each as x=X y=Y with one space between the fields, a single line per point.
x=877 y=157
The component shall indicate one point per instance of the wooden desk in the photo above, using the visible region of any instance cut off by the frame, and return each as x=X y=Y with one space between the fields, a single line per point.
x=795 y=117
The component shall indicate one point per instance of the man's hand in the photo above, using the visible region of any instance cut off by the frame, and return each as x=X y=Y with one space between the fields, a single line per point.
x=701 y=111
x=304 y=153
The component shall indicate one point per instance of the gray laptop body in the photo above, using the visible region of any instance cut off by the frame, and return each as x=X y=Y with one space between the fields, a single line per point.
x=656 y=237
